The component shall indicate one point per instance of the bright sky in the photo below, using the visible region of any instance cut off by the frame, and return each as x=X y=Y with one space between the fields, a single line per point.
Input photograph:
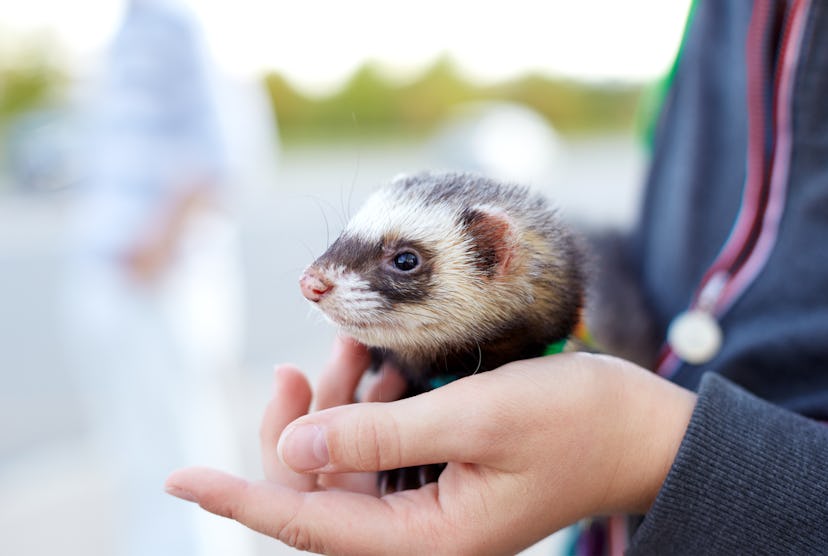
x=318 y=43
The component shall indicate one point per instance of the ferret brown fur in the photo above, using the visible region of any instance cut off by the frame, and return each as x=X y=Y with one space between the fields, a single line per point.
x=497 y=277
x=448 y=274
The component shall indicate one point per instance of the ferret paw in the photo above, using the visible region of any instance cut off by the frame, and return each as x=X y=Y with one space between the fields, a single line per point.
x=396 y=480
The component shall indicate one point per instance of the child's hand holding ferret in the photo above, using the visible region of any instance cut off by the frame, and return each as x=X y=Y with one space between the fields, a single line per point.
x=532 y=448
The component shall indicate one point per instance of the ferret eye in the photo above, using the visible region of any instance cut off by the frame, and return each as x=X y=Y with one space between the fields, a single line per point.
x=406 y=261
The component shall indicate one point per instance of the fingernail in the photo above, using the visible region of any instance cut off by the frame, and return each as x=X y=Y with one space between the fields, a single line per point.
x=180 y=493
x=303 y=448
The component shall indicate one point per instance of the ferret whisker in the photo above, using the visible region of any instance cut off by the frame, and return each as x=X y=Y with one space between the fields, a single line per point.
x=345 y=204
x=479 y=358
x=320 y=206
x=290 y=271
x=382 y=371
x=327 y=231
x=340 y=210
x=307 y=247
x=353 y=183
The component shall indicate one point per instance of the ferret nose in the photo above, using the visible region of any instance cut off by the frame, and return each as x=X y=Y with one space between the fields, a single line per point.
x=314 y=286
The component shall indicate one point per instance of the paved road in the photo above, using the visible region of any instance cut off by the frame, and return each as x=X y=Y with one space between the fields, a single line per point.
x=47 y=477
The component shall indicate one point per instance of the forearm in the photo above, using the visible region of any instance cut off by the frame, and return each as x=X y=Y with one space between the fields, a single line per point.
x=748 y=478
x=156 y=246
x=181 y=209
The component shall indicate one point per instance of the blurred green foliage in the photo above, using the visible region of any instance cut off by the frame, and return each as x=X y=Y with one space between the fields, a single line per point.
x=369 y=104
x=372 y=104
x=31 y=82
x=29 y=77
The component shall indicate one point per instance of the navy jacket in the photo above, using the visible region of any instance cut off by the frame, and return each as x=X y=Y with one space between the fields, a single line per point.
x=739 y=189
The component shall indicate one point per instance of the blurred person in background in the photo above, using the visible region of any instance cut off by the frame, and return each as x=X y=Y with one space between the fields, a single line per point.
x=153 y=289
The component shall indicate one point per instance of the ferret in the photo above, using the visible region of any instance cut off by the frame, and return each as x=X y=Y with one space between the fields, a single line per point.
x=444 y=275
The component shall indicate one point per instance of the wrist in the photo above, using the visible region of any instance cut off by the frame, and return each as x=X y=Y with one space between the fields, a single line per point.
x=609 y=429
x=655 y=414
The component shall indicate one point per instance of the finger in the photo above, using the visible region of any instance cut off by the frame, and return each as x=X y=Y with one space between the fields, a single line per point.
x=320 y=522
x=362 y=482
x=447 y=424
x=291 y=399
x=340 y=377
x=386 y=386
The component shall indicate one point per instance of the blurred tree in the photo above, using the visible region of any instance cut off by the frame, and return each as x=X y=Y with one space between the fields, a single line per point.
x=573 y=106
x=295 y=109
x=369 y=103
x=429 y=98
x=368 y=100
x=29 y=78
x=31 y=86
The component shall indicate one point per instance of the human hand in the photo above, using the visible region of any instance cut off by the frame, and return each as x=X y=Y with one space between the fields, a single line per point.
x=153 y=251
x=532 y=447
x=338 y=385
x=146 y=261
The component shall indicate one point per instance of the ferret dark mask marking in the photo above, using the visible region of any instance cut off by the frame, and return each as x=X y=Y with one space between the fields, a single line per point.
x=374 y=261
x=498 y=279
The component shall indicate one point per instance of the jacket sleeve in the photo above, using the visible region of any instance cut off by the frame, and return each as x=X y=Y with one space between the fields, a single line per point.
x=749 y=478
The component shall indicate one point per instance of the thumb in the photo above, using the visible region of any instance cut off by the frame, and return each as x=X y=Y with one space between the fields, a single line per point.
x=433 y=427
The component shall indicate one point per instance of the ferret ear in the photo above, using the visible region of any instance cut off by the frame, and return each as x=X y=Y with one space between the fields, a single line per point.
x=493 y=237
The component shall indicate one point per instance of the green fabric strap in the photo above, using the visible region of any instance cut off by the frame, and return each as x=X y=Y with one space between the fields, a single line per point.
x=556 y=348
x=551 y=349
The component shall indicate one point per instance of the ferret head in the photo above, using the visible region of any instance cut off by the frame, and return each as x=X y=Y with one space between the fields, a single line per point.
x=437 y=261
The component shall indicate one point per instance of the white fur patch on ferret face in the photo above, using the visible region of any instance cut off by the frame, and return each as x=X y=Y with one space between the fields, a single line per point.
x=387 y=213
x=363 y=313
x=352 y=302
